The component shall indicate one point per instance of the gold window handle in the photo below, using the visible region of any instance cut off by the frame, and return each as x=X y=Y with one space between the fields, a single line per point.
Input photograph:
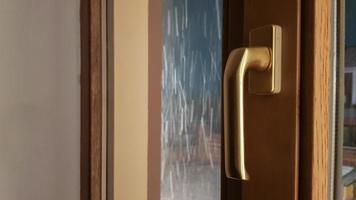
x=263 y=59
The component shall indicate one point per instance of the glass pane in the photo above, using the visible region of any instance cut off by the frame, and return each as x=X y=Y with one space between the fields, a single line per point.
x=191 y=100
x=349 y=143
x=40 y=100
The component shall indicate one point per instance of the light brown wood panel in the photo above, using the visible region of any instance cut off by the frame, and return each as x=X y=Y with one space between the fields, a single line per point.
x=315 y=101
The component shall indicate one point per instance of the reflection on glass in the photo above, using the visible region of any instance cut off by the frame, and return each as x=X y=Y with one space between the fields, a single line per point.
x=349 y=149
x=191 y=82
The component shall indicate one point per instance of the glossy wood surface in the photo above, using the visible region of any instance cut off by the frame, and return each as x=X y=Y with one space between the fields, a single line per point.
x=315 y=101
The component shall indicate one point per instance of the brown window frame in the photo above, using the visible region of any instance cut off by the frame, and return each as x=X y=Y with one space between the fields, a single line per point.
x=316 y=61
x=315 y=109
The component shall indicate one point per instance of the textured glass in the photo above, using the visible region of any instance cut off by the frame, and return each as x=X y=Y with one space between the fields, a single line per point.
x=191 y=100
x=349 y=148
x=349 y=144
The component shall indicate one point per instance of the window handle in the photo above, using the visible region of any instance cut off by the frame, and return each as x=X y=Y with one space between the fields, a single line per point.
x=263 y=60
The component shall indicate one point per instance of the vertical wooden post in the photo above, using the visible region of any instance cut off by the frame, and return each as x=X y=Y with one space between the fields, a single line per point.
x=91 y=99
x=315 y=99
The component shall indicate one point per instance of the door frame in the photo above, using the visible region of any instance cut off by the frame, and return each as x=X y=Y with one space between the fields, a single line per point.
x=93 y=40
x=315 y=101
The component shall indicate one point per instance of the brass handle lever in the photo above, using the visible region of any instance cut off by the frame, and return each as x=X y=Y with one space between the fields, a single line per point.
x=264 y=61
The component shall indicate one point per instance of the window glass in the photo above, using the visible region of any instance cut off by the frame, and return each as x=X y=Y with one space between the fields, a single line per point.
x=191 y=100
x=349 y=137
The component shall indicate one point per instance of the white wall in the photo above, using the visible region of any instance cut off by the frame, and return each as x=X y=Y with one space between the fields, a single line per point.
x=39 y=100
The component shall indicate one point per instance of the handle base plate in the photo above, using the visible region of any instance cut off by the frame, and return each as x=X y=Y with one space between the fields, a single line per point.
x=267 y=82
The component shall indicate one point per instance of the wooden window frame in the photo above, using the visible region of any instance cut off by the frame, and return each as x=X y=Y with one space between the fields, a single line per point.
x=315 y=109
x=93 y=100
x=316 y=19
x=315 y=112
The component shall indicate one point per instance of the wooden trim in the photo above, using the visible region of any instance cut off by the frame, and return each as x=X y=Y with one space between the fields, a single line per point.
x=110 y=99
x=315 y=99
x=104 y=104
x=91 y=99
x=154 y=98
x=339 y=113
